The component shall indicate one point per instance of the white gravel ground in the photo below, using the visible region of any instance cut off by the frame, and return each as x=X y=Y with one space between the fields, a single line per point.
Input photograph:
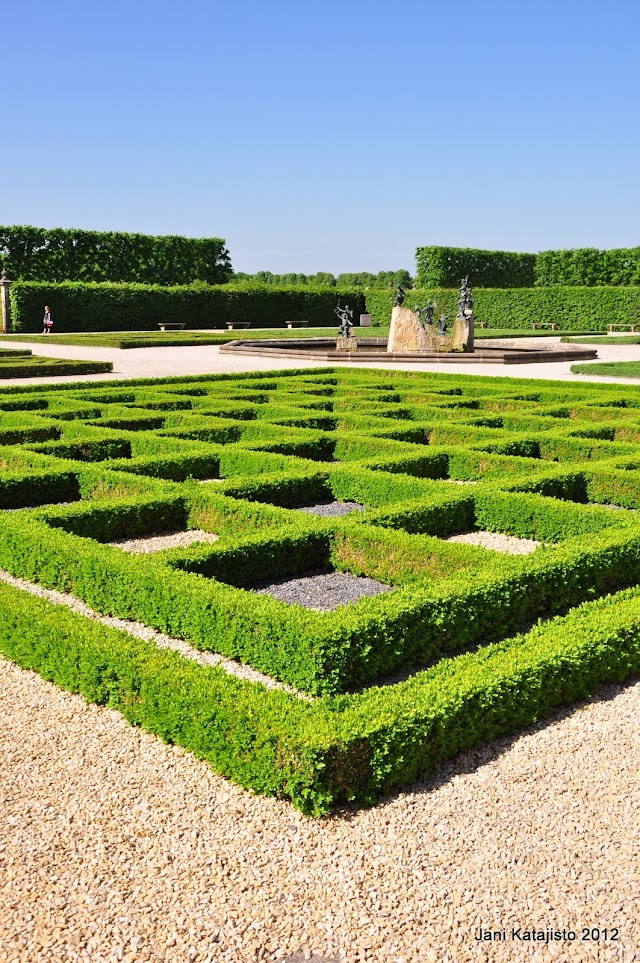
x=159 y=543
x=116 y=847
x=497 y=542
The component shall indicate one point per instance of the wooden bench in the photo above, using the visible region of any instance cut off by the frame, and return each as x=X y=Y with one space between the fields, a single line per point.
x=483 y=324
x=544 y=324
x=171 y=325
x=238 y=324
x=619 y=327
x=297 y=324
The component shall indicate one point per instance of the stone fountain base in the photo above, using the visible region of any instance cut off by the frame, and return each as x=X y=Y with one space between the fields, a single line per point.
x=375 y=349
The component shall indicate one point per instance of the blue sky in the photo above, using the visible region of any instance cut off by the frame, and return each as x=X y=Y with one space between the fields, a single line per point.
x=333 y=136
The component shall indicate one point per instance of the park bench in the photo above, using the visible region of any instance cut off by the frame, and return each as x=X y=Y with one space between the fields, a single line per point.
x=544 y=324
x=171 y=325
x=483 y=324
x=619 y=327
x=238 y=324
x=297 y=324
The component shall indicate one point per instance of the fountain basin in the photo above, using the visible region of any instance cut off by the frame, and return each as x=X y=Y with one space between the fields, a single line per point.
x=375 y=349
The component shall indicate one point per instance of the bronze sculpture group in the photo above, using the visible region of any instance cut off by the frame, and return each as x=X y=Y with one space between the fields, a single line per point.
x=461 y=338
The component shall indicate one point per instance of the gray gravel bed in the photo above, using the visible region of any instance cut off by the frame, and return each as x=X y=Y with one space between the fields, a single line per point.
x=159 y=543
x=323 y=591
x=140 y=631
x=497 y=542
x=117 y=847
x=332 y=509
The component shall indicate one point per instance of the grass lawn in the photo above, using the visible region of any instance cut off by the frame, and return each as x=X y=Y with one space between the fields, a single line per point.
x=158 y=339
x=605 y=339
x=621 y=369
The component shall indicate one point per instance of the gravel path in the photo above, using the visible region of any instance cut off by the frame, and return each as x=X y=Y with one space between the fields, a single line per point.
x=324 y=592
x=117 y=847
x=205 y=359
x=497 y=542
x=158 y=543
x=332 y=509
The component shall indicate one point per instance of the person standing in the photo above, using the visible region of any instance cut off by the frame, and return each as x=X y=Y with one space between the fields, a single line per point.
x=47 y=322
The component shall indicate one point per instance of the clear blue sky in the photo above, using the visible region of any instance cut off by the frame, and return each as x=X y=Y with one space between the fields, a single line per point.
x=332 y=136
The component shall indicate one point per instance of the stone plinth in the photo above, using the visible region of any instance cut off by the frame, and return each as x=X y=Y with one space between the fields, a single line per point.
x=346 y=344
x=408 y=335
x=5 y=307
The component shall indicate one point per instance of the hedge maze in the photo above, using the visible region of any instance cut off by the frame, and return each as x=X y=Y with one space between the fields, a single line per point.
x=454 y=641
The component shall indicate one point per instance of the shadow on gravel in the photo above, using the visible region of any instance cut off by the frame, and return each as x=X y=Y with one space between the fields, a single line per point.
x=474 y=759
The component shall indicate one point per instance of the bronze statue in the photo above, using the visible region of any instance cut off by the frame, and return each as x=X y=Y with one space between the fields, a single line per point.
x=399 y=297
x=465 y=301
x=346 y=319
x=428 y=311
x=442 y=324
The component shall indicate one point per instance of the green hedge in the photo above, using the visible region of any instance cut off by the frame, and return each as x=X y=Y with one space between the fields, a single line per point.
x=77 y=306
x=70 y=254
x=589 y=266
x=571 y=308
x=30 y=488
x=39 y=367
x=443 y=267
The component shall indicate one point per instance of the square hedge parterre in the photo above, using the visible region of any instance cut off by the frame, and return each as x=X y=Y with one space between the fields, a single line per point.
x=465 y=641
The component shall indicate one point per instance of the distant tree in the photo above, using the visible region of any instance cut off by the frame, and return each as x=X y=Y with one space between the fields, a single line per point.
x=361 y=279
x=322 y=280
x=403 y=278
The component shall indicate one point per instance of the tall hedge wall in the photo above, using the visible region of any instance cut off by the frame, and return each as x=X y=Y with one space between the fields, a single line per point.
x=442 y=267
x=588 y=266
x=58 y=254
x=571 y=308
x=136 y=307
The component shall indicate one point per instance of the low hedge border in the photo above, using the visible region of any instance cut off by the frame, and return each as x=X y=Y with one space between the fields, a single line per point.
x=322 y=754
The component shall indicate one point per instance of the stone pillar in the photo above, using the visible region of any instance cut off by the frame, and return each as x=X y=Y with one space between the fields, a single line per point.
x=5 y=307
x=469 y=320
